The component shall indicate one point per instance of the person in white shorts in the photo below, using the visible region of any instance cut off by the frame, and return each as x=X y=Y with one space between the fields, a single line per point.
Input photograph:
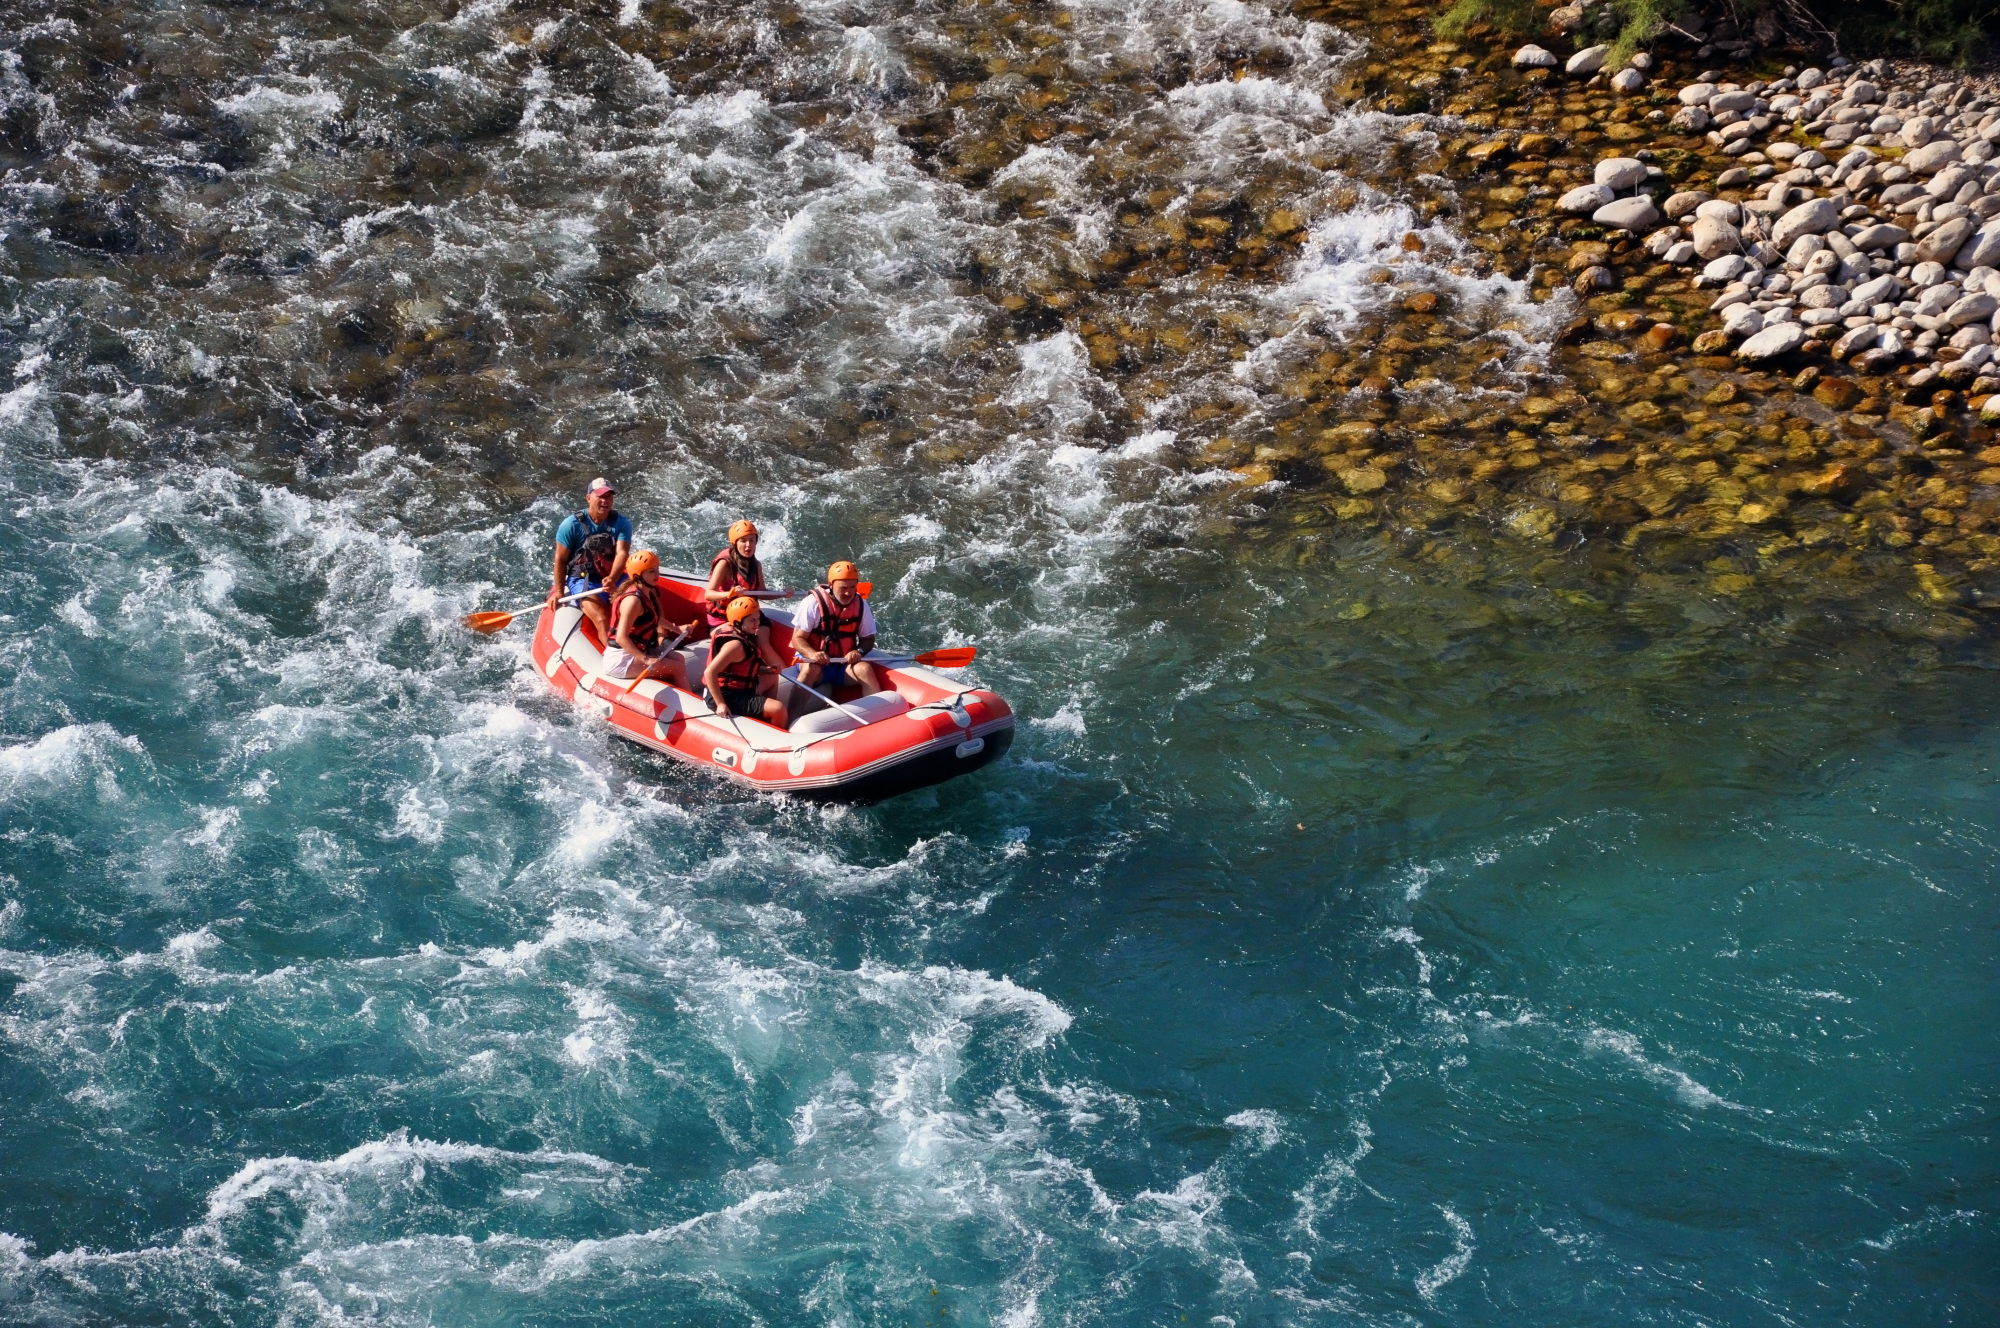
x=641 y=633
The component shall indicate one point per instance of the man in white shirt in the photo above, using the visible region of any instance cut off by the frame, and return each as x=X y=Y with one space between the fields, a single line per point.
x=832 y=630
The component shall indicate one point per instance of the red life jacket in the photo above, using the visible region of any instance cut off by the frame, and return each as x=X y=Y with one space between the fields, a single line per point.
x=646 y=627
x=839 y=629
x=718 y=615
x=739 y=675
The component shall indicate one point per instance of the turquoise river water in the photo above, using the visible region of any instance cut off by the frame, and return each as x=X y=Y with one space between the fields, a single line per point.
x=1368 y=927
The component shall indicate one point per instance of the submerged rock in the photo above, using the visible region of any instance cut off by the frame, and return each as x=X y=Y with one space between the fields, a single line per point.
x=1363 y=479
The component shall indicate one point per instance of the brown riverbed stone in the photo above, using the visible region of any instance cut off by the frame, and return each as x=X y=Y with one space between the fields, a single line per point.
x=1658 y=337
x=1362 y=479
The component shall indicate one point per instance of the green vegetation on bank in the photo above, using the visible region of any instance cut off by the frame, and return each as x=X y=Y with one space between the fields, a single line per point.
x=1958 y=32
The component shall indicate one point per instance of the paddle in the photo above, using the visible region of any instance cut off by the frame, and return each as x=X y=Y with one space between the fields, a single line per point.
x=952 y=657
x=851 y=713
x=861 y=587
x=671 y=645
x=495 y=620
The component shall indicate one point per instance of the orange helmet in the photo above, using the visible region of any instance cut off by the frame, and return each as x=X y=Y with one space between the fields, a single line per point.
x=740 y=529
x=642 y=562
x=842 y=571
x=741 y=607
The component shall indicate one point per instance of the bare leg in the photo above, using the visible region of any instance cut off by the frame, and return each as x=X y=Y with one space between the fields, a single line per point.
x=774 y=709
x=670 y=670
x=864 y=675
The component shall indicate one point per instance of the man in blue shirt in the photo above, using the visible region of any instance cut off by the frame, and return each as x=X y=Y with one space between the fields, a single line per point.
x=597 y=518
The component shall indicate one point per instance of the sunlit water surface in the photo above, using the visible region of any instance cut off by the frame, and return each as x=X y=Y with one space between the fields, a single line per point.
x=1365 y=928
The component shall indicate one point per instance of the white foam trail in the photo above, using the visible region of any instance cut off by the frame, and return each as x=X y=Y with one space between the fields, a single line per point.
x=1450 y=1268
x=1629 y=1048
x=396 y=1157
x=1334 y=1183
x=1932 y=1222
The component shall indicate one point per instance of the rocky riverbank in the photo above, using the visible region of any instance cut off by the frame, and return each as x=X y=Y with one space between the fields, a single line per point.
x=1884 y=257
x=1786 y=269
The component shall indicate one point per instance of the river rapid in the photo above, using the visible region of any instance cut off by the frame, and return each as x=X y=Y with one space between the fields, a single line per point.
x=1383 y=921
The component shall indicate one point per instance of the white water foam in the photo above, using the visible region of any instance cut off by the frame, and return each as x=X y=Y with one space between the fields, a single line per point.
x=1628 y=1048
x=62 y=757
x=1452 y=1267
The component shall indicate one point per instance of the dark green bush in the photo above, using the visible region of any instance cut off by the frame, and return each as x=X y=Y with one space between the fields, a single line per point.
x=1955 y=31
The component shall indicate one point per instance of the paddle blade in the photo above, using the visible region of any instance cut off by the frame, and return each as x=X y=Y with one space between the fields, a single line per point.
x=956 y=657
x=488 y=622
x=862 y=588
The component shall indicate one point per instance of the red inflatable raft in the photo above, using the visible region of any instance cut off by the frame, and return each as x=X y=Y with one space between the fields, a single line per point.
x=924 y=729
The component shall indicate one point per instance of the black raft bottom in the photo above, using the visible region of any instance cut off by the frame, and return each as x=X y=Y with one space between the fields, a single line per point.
x=924 y=771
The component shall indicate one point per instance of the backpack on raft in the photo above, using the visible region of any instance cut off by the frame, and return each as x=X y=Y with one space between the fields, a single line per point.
x=592 y=559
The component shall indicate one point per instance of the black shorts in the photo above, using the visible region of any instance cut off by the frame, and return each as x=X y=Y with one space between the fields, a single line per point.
x=747 y=704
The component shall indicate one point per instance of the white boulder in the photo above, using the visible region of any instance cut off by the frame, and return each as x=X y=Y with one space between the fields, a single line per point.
x=1532 y=56
x=1772 y=342
x=1813 y=217
x=1620 y=172
x=1726 y=268
x=1740 y=320
x=1628 y=214
x=1713 y=237
x=1856 y=339
x=1882 y=289
x=1942 y=245
x=1679 y=205
x=1982 y=250
x=1586 y=198
x=1933 y=157
x=1880 y=236
x=1977 y=308
x=1588 y=60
